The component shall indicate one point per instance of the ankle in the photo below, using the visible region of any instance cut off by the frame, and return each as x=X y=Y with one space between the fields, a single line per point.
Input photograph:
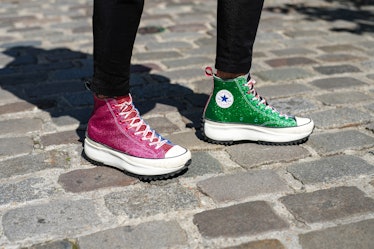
x=227 y=75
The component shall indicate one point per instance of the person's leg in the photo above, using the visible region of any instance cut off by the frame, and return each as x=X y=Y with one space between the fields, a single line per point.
x=115 y=23
x=235 y=111
x=116 y=134
x=237 y=23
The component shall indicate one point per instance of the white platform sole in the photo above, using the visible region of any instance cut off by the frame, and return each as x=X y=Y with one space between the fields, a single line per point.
x=135 y=165
x=238 y=132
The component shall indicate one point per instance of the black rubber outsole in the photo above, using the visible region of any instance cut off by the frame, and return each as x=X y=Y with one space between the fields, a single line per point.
x=146 y=178
x=227 y=143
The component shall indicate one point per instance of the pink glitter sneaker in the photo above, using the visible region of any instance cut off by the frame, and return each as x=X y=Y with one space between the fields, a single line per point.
x=117 y=136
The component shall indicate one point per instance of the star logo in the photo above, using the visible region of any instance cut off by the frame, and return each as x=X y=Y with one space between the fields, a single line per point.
x=224 y=98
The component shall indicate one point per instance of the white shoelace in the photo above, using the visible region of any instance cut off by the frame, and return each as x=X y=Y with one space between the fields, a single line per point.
x=132 y=118
x=261 y=100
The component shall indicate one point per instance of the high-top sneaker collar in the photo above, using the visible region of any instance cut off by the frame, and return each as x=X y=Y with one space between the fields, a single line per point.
x=130 y=118
x=118 y=136
x=236 y=112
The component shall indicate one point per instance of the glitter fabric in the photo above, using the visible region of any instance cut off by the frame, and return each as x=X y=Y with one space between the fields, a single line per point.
x=117 y=136
x=236 y=101
x=117 y=124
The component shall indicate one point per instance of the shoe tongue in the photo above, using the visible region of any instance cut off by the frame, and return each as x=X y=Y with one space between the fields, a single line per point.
x=125 y=98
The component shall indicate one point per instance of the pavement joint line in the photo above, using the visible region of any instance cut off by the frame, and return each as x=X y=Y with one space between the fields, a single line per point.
x=36 y=155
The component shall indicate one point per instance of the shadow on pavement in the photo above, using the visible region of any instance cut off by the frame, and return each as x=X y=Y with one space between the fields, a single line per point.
x=53 y=80
x=350 y=11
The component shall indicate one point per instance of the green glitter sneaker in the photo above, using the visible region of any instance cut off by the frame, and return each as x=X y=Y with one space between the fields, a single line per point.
x=235 y=112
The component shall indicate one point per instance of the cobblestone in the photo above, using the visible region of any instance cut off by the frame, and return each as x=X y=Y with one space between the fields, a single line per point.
x=92 y=179
x=370 y=76
x=156 y=55
x=328 y=204
x=203 y=164
x=355 y=235
x=67 y=117
x=62 y=244
x=370 y=126
x=337 y=69
x=368 y=64
x=263 y=244
x=339 y=48
x=284 y=74
x=60 y=138
x=287 y=90
x=339 y=141
x=71 y=74
x=338 y=82
x=187 y=61
x=79 y=99
x=16 y=107
x=292 y=51
x=15 y=146
x=156 y=234
x=162 y=125
x=293 y=106
x=290 y=61
x=34 y=163
x=305 y=33
x=242 y=185
x=330 y=168
x=24 y=191
x=157 y=46
x=20 y=127
x=311 y=58
x=239 y=220
x=342 y=117
x=264 y=154
x=150 y=200
x=336 y=99
x=65 y=218
x=161 y=107
x=184 y=74
x=204 y=49
x=339 y=57
x=27 y=79
x=189 y=140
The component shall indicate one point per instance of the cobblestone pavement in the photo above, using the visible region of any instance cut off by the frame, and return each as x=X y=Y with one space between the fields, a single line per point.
x=312 y=57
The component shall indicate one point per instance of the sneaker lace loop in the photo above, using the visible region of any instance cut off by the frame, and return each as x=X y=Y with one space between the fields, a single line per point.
x=132 y=118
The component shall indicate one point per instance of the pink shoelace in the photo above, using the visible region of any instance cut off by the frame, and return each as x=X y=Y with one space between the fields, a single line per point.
x=131 y=117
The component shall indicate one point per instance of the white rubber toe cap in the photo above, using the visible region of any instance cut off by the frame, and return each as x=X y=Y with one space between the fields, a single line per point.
x=175 y=151
x=302 y=121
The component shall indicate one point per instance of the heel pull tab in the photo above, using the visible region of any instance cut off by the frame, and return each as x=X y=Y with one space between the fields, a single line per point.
x=209 y=71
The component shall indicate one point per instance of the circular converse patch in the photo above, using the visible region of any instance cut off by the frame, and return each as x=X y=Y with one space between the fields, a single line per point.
x=224 y=99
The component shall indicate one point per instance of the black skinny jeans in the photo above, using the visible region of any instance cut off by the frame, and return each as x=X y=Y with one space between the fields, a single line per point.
x=115 y=23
